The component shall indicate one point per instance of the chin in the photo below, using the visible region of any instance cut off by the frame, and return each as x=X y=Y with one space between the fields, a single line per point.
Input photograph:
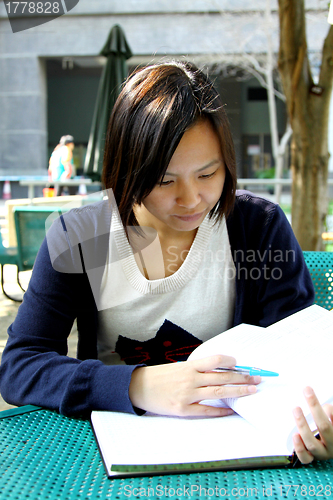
x=187 y=225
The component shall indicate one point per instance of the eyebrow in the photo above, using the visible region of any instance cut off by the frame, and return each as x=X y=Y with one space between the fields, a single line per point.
x=208 y=165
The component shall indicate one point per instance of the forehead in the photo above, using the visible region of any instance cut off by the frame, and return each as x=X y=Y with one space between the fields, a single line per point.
x=199 y=146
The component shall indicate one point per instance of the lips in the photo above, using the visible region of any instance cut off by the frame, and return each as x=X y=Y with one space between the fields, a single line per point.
x=189 y=218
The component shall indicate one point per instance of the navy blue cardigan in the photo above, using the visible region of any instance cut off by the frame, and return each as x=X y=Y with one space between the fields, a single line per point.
x=272 y=282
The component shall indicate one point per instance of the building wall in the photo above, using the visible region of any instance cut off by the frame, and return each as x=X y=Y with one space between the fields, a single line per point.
x=203 y=30
x=71 y=101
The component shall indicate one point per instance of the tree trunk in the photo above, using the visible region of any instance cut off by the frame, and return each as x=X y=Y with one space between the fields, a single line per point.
x=309 y=163
x=308 y=109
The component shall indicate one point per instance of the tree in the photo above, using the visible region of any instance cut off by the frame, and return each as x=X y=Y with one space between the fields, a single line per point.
x=262 y=66
x=308 y=111
x=265 y=75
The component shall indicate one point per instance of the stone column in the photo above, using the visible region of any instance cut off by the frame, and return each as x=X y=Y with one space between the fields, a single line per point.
x=23 y=122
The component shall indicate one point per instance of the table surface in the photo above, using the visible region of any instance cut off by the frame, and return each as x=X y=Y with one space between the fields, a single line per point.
x=45 y=455
x=68 y=182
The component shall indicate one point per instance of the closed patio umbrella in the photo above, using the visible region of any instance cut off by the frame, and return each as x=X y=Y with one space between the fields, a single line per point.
x=117 y=51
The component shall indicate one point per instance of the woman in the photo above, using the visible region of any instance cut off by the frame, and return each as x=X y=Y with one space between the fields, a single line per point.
x=172 y=258
x=61 y=164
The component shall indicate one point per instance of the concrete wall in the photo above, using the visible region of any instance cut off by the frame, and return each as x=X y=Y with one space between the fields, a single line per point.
x=71 y=101
x=23 y=121
x=203 y=30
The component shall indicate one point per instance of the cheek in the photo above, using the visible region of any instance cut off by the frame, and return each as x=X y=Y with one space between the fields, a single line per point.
x=157 y=202
x=214 y=193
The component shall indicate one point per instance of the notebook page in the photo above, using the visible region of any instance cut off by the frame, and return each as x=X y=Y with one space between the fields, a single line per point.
x=299 y=348
x=301 y=351
x=151 y=439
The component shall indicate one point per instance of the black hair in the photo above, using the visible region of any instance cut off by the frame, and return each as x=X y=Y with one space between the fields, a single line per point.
x=156 y=106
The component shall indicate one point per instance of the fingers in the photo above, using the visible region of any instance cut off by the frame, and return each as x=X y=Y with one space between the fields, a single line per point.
x=223 y=378
x=177 y=388
x=323 y=422
x=306 y=445
x=212 y=362
x=303 y=454
x=198 y=410
x=225 y=391
x=328 y=409
x=207 y=377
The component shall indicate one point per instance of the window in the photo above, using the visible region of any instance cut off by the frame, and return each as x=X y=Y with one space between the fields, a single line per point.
x=256 y=94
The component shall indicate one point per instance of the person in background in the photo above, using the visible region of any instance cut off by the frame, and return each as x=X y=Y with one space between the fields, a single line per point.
x=61 y=164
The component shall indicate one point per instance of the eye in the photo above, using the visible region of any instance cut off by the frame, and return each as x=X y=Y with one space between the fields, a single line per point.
x=164 y=183
x=207 y=176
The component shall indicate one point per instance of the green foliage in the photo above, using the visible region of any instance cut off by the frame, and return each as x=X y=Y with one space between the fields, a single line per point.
x=268 y=173
x=287 y=210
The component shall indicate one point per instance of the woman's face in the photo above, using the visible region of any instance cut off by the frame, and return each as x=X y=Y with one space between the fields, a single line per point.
x=192 y=184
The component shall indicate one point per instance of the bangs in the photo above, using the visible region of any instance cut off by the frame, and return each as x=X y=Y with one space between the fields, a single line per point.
x=153 y=111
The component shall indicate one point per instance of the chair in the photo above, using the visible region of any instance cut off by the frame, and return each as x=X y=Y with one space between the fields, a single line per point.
x=320 y=265
x=9 y=256
x=30 y=232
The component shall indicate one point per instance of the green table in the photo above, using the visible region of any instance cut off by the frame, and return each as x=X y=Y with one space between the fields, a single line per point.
x=47 y=456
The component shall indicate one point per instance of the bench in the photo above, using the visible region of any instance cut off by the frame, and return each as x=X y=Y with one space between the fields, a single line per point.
x=54 y=202
x=30 y=232
x=320 y=265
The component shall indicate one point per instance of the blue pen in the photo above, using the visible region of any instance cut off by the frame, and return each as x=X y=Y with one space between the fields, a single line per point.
x=249 y=370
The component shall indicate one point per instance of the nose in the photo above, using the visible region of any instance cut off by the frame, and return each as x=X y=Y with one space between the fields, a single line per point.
x=188 y=196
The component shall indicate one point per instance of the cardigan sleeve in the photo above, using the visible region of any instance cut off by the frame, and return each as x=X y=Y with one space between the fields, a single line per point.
x=35 y=368
x=272 y=279
x=288 y=287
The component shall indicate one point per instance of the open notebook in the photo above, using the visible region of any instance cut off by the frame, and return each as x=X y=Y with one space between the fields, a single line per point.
x=299 y=348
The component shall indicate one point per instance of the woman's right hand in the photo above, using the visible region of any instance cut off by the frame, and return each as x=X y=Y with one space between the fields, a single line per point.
x=177 y=388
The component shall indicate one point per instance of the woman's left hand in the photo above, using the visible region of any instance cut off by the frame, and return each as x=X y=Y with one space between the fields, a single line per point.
x=307 y=446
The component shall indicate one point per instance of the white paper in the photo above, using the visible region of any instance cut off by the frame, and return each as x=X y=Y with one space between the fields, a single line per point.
x=299 y=348
x=151 y=439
